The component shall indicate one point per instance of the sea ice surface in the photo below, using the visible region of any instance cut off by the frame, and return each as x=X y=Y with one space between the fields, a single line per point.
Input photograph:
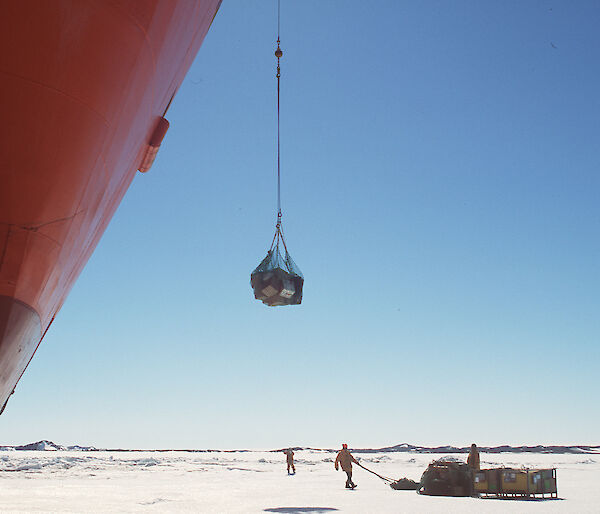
x=254 y=482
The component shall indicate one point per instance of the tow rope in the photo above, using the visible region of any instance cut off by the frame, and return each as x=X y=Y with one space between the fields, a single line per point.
x=385 y=479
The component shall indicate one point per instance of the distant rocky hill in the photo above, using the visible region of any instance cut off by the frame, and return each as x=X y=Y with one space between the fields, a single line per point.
x=410 y=448
x=49 y=446
x=405 y=447
x=399 y=448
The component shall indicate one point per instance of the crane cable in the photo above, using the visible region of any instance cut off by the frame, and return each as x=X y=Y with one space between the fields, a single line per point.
x=278 y=54
x=278 y=227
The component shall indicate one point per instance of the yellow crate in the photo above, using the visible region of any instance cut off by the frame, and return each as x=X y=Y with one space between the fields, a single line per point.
x=480 y=481
x=487 y=481
x=514 y=481
x=542 y=481
x=510 y=482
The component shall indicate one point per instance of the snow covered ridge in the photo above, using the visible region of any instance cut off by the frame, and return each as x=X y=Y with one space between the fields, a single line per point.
x=409 y=448
x=49 y=446
x=405 y=447
x=400 y=448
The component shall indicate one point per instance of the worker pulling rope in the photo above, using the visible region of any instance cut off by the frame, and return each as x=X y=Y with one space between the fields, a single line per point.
x=277 y=280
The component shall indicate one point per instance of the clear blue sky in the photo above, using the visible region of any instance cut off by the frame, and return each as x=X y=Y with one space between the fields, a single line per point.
x=440 y=183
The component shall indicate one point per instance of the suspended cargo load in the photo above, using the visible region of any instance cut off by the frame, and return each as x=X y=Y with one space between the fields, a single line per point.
x=277 y=280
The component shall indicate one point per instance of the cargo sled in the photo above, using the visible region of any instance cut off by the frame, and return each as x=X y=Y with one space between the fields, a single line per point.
x=446 y=478
x=516 y=483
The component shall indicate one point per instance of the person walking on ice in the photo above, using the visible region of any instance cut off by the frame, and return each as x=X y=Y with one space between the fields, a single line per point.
x=345 y=459
x=290 y=461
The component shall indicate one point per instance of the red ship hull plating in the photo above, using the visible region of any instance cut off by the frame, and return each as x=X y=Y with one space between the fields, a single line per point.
x=84 y=84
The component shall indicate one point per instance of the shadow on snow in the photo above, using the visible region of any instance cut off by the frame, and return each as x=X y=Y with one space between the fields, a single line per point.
x=296 y=510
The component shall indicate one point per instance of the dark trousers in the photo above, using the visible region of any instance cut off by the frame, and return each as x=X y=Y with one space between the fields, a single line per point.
x=349 y=482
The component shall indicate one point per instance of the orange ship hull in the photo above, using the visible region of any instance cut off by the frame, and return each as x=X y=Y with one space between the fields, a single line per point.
x=84 y=85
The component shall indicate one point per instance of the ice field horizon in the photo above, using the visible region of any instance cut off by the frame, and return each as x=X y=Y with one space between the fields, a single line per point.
x=48 y=445
x=257 y=481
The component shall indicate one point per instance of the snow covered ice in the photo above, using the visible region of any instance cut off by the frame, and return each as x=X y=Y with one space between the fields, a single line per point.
x=254 y=481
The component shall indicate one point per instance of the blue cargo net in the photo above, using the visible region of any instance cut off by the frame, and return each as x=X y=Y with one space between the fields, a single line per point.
x=277 y=280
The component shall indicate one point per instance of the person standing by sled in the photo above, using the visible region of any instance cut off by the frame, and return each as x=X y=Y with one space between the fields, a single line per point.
x=290 y=461
x=473 y=458
x=345 y=459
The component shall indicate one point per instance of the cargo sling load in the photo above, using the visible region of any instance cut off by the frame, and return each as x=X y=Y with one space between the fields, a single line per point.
x=277 y=280
x=85 y=86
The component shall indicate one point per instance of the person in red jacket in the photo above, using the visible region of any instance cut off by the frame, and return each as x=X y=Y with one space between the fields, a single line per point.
x=345 y=459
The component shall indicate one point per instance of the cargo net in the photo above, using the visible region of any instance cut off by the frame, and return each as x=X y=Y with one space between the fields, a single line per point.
x=277 y=280
x=446 y=477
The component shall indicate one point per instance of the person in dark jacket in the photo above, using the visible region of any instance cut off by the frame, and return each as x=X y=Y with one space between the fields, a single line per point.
x=345 y=459
x=473 y=458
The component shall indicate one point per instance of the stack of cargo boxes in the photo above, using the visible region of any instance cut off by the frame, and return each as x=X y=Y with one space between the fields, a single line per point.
x=543 y=481
x=508 y=482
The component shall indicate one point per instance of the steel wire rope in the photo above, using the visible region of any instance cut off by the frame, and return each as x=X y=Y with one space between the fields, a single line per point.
x=278 y=54
x=278 y=227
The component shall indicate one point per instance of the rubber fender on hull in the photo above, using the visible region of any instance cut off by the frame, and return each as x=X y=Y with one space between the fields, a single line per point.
x=152 y=148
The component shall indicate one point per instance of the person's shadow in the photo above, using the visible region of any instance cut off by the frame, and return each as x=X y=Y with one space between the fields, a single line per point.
x=297 y=510
x=523 y=499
